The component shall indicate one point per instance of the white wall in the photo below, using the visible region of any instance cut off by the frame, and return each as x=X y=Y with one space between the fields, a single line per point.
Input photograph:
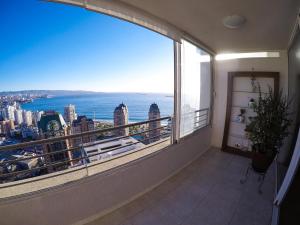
x=220 y=84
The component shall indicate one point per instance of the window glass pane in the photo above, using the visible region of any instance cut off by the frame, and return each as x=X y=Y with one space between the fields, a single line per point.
x=195 y=88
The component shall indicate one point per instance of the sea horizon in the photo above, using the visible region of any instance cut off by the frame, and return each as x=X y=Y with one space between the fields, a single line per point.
x=83 y=91
x=100 y=106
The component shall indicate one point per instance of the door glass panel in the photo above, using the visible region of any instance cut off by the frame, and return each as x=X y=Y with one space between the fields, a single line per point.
x=195 y=88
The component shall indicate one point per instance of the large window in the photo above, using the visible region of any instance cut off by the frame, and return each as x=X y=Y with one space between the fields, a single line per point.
x=94 y=101
x=75 y=72
x=195 y=88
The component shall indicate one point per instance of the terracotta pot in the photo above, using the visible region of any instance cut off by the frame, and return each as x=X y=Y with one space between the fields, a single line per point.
x=261 y=161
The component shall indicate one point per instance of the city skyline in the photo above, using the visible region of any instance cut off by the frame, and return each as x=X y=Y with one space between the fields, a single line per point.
x=18 y=125
x=51 y=46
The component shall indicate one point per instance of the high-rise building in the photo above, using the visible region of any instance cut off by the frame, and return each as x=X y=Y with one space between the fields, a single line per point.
x=120 y=119
x=154 y=131
x=18 y=106
x=50 y=125
x=8 y=113
x=11 y=125
x=83 y=124
x=2 y=127
x=18 y=116
x=69 y=113
x=36 y=117
x=27 y=117
x=6 y=126
x=14 y=105
x=1 y=115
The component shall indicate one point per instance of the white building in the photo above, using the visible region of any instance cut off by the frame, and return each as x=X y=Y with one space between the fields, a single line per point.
x=14 y=104
x=116 y=146
x=18 y=116
x=27 y=117
x=70 y=114
x=8 y=112
x=36 y=117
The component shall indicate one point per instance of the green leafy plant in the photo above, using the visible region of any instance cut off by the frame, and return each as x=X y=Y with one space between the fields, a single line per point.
x=269 y=127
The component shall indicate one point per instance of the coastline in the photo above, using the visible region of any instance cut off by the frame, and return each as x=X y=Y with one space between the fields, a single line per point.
x=100 y=107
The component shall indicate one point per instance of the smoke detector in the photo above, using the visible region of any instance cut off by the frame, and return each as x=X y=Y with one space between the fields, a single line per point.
x=234 y=21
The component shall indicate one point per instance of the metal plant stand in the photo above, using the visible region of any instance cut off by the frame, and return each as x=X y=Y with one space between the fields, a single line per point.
x=261 y=177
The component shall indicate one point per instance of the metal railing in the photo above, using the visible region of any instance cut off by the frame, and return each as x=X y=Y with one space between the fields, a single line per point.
x=194 y=120
x=201 y=118
x=59 y=153
x=40 y=157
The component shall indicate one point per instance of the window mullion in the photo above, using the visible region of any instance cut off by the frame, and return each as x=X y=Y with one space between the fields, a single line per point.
x=177 y=92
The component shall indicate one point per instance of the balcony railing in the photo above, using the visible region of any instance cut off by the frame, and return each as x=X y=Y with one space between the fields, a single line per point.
x=201 y=118
x=191 y=120
x=60 y=152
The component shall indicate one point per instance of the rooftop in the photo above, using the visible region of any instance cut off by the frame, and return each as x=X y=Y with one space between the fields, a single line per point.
x=154 y=108
x=122 y=106
x=80 y=119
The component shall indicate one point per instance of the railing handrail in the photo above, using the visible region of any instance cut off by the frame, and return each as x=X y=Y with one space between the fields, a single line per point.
x=197 y=111
x=72 y=149
x=199 y=117
x=64 y=162
x=81 y=134
x=200 y=110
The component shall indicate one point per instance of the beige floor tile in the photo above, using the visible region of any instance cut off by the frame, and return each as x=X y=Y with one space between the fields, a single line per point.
x=207 y=192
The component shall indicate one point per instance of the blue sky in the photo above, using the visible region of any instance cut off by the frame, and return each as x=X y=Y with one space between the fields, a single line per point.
x=53 y=46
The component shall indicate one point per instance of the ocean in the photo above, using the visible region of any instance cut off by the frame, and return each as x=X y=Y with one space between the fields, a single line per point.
x=100 y=106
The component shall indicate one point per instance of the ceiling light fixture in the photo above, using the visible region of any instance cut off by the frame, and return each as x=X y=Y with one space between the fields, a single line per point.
x=247 y=55
x=234 y=21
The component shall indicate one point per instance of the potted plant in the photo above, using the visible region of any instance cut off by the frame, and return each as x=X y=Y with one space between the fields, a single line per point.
x=268 y=128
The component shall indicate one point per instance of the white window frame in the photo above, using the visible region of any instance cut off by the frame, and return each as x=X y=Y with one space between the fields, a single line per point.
x=177 y=90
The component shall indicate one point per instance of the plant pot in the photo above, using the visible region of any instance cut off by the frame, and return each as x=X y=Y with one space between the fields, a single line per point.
x=251 y=103
x=240 y=118
x=261 y=161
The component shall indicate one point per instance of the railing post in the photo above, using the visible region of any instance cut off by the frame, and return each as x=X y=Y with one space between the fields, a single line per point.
x=84 y=158
x=172 y=131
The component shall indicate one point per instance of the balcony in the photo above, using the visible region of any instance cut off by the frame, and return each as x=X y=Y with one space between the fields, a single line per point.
x=83 y=154
x=131 y=188
x=57 y=151
x=173 y=173
x=206 y=192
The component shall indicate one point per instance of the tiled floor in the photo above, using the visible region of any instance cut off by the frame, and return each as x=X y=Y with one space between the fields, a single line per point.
x=208 y=192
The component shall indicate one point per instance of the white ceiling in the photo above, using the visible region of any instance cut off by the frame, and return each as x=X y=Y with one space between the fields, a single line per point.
x=269 y=22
